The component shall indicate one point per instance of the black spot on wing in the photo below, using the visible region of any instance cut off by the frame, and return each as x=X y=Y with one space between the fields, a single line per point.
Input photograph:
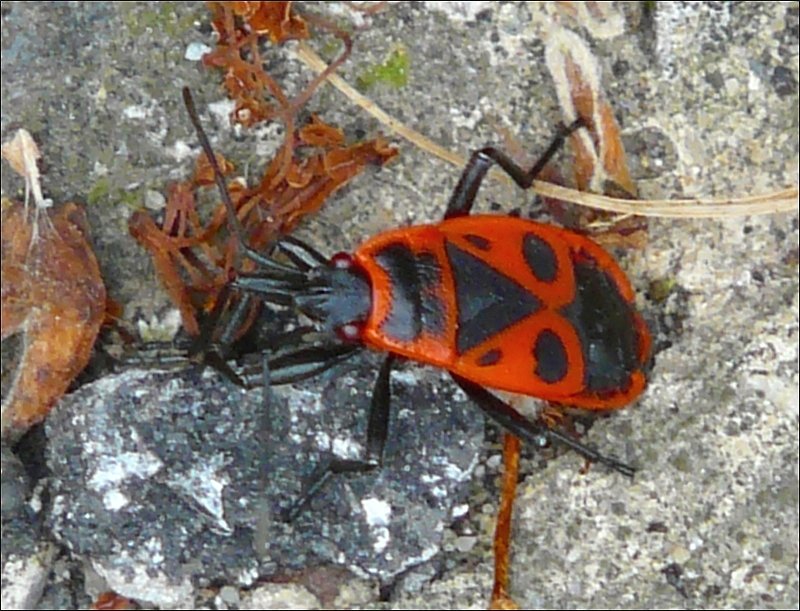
x=605 y=326
x=478 y=241
x=486 y=300
x=551 y=357
x=492 y=357
x=540 y=257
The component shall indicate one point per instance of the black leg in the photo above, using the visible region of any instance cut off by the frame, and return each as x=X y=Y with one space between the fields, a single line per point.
x=210 y=352
x=302 y=255
x=532 y=432
x=463 y=197
x=208 y=326
x=295 y=356
x=308 y=362
x=240 y=313
x=377 y=431
x=268 y=288
x=213 y=351
x=266 y=382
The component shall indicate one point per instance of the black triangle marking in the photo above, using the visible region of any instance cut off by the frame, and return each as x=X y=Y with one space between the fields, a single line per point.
x=487 y=301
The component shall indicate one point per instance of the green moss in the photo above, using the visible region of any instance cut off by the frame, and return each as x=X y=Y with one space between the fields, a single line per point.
x=103 y=192
x=393 y=71
x=659 y=290
x=99 y=191
x=164 y=18
x=133 y=199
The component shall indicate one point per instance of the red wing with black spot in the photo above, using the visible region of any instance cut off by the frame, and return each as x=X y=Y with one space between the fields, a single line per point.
x=509 y=304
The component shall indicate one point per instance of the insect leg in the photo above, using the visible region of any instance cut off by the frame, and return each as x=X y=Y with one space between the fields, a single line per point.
x=377 y=431
x=213 y=353
x=502 y=532
x=307 y=362
x=532 y=432
x=463 y=197
x=295 y=356
x=266 y=382
x=302 y=255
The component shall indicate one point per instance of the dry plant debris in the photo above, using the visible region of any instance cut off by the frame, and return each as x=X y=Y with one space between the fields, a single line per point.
x=194 y=257
x=599 y=162
x=52 y=293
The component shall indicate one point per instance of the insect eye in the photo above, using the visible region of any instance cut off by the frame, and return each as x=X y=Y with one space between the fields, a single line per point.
x=341 y=260
x=350 y=332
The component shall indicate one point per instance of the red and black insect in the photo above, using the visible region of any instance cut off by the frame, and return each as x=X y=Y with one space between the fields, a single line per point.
x=502 y=303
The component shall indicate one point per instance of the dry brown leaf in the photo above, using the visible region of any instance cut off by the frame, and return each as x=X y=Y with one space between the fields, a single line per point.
x=600 y=155
x=53 y=294
x=318 y=133
x=275 y=19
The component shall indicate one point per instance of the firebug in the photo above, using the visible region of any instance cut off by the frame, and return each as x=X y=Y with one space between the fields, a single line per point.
x=501 y=303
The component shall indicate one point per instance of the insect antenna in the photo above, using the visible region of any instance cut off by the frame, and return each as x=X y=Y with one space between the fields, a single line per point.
x=235 y=224
x=233 y=219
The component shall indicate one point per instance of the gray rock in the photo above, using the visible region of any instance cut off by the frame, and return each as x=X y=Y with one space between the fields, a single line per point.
x=169 y=480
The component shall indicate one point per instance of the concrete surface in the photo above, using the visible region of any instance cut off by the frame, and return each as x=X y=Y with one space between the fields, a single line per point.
x=707 y=96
